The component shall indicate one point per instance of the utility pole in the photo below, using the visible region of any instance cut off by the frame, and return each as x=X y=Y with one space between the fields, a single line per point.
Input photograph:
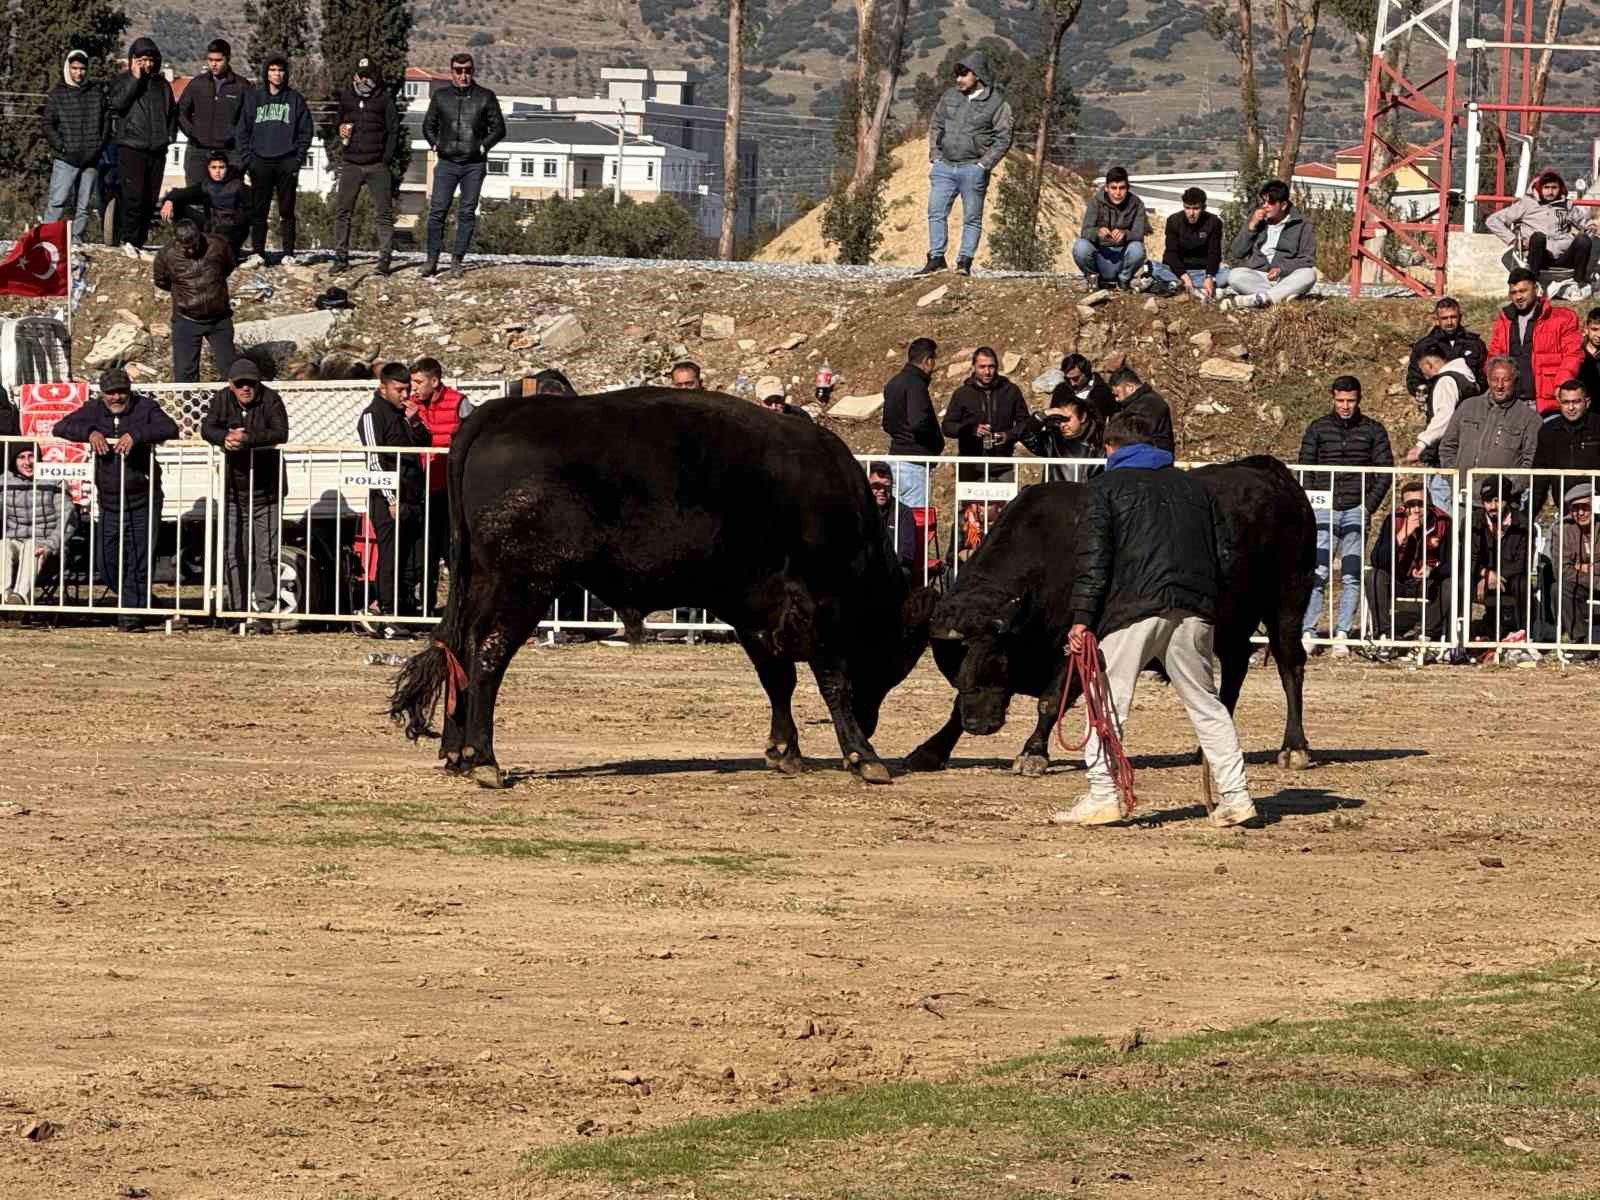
x=622 y=131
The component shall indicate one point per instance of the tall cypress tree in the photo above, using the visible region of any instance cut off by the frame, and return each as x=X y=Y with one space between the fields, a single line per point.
x=352 y=30
x=277 y=25
x=35 y=36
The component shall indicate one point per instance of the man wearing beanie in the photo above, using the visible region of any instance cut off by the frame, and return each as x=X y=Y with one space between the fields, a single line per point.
x=274 y=138
x=247 y=421
x=123 y=428
x=146 y=118
x=369 y=130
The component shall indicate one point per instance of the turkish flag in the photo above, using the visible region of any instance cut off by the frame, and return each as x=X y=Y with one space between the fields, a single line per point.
x=37 y=264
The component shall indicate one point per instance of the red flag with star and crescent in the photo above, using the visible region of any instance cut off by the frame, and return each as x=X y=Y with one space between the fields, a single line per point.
x=37 y=264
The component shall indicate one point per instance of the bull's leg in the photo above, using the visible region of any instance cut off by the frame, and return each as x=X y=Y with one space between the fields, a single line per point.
x=1035 y=756
x=777 y=676
x=495 y=641
x=1283 y=636
x=859 y=756
x=934 y=753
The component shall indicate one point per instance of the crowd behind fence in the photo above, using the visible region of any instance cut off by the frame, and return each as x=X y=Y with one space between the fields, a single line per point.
x=1408 y=559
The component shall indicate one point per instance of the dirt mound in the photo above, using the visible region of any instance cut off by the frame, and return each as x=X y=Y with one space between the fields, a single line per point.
x=905 y=235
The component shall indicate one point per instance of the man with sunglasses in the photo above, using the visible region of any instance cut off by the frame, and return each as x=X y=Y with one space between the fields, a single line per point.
x=968 y=134
x=247 y=420
x=123 y=429
x=463 y=124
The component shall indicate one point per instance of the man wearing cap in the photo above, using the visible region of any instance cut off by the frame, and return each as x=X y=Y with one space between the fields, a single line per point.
x=208 y=111
x=1498 y=557
x=123 y=428
x=769 y=394
x=194 y=267
x=369 y=131
x=1573 y=544
x=274 y=138
x=968 y=134
x=247 y=421
x=76 y=121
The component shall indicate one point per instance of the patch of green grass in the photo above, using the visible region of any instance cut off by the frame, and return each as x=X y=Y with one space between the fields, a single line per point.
x=1456 y=1075
x=412 y=812
x=570 y=849
x=733 y=862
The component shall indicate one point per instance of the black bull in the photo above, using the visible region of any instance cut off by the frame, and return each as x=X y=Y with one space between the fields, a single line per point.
x=1003 y=630
x=654 y=499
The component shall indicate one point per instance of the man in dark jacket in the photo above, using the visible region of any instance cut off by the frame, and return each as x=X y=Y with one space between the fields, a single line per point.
x=140 y=100
x=392 y=419
x=1450 y=341
x=911 y=423
x=1078 y=375
x=123 y=430
x=1589 y=369
x=904 y=539
x=1135 y=396
x=75 y=125
x=221 y=202
x=209 y=110
x=1411 y=564
x=1498 y=559
x=1110 y=246
x=1345 y=437
x=463 y=124
x=1150 y=550
x=985 y=416
x=247 y=420
x=1275 y=255
x=1192 y=256
x=274 y=138
x=369 y=131
x=1570 y=442
x=968 y=134
x=1067 y=429
x=194 y=267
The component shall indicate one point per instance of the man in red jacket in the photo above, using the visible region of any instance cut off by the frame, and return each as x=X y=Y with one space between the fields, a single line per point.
x=1544 y=341
x=440 y=410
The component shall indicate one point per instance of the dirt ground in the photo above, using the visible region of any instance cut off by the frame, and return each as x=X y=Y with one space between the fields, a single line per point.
x=255 y=944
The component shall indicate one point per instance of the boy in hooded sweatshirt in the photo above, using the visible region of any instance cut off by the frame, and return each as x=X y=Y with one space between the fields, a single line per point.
x=274 y=138
x=146 y=116
x=1550 y=230
x=75 y=124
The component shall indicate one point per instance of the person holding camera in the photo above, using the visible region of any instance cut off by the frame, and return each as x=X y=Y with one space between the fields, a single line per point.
x=394 y=418
x=1067 y=429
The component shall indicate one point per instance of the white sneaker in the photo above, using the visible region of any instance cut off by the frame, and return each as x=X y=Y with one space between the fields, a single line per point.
x=1259 y=300
x=130 y=250
x=288 y=260
x=1091 y=809
x=1234 y=810
x=255 y=260
x=1309 y=641
x=1227 y=304
x=1341 y=646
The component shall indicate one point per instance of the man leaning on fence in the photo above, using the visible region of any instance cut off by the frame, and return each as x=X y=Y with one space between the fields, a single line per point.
x=247 y=420
x=394 y=419
x=1345 y=437
x=123 y=428
x=76 y=121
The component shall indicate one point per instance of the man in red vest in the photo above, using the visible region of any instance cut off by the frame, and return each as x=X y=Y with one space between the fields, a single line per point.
x=1543 y=340
x=440 y=410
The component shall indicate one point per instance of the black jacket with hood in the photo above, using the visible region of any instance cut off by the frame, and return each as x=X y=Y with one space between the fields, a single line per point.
x=76 y=120
x=464 y=124
x=145 y=113
x=1153 y=407
x=208 y=111
x=1463 y=343
x=119 y=478
x=908 y=415
x=374 y=122
x=1001 y=407
x=274 y=125
x=964 y=129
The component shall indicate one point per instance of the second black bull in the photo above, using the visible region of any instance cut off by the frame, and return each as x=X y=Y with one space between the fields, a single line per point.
x=1003 y=630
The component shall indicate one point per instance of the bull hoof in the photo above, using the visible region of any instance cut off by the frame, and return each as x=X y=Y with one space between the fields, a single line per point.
x=455 y=765
x=874 y=772
x=788 y=763
x=1030 y=764
x=923 y=759
x=488 y=775
x=1294 y=760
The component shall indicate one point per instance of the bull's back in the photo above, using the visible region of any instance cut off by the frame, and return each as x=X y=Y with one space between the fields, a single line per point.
x=1272 y=533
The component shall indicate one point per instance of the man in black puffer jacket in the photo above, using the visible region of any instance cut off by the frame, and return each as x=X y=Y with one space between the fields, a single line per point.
x=1151 y=546
x=1345 y=437
x=463 y=124
x=140 y=100
x=369 y=130
x=394 y=419
x=208 y=112
x=75 y=123
x=1571 y=442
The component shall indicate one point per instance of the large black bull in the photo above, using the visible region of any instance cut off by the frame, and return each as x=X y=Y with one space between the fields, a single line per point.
x=1002 y=631
x=655 y=499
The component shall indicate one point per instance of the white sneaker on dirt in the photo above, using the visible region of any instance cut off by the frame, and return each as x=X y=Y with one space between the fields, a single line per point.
x=1309 y=641
x=130 y=250
x=1341 y=645
x=288 y=260
x=1234 y=810
x=1227 y=304
x=1259 y=300
x=255 y=260
x=1091 y=809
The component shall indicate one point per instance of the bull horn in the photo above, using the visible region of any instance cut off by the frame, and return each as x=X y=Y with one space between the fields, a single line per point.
x=951 y=635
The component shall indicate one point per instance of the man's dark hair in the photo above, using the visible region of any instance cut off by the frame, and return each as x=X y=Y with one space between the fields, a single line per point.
x=1117 y=175
x=880 y=469
x=1194 y=195
x=1573 y=385
x=985 y=352
x=428 y=366
x=185 y=232
x=1412 y=485
x=462 y=59
x=1077 y=362
x=1124 y=377
x=1521 y=275
x=1447 y=304
x=395 y=372
x=1071 y=401
x=1593 y=318
x=1275 y=190
x=220 y=156
x=921 y=350
x=219 y=46
x=1346 y=383
x=687 y=365
x=1128 y=429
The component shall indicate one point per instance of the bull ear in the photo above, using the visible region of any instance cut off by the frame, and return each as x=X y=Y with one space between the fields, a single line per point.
x=917 y=610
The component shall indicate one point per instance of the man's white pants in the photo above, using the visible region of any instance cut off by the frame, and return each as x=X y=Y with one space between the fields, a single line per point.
x=1182 y=641
x=1245 y=281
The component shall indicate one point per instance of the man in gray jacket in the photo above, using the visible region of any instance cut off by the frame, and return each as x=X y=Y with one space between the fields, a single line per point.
x=1492 y=430
x=968 y=135
x=1110 y=246
x=1551 y=231
x=1274 y=258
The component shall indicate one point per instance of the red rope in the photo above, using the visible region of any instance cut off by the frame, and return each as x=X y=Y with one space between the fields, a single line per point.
x=455 y=678
x=1099 y=714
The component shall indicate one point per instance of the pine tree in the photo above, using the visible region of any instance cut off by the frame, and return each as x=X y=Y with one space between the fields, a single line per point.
x=35 y=36
x=352 y=30
x=276 y=25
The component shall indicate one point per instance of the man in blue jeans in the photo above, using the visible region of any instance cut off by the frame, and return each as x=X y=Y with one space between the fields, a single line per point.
x=968 y=134
x=463 y=124
x=1345 y=437
x=1110 y=246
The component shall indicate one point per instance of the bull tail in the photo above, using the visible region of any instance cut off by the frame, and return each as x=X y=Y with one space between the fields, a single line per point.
x=436 y=672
